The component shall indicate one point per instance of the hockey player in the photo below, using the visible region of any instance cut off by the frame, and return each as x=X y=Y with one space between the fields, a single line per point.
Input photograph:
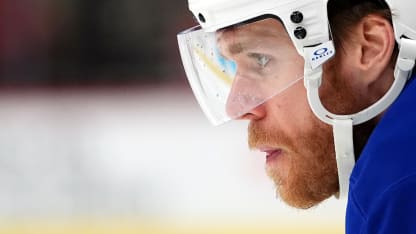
x=327 y=88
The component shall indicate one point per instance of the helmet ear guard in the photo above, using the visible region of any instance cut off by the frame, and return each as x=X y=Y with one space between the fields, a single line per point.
x=405 y=30
x=343 y=124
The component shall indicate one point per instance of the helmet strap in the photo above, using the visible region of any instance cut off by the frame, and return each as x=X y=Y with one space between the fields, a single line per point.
x=343 y=124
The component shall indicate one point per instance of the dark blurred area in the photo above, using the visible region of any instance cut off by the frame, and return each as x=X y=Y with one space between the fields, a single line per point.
x=90 y=43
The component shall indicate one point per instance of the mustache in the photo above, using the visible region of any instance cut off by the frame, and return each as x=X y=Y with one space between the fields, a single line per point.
x=260 y=136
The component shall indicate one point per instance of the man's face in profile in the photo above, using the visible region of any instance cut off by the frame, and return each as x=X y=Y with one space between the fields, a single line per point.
x=299 y=149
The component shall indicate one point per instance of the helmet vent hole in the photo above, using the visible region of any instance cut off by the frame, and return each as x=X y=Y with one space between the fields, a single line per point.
x=300 y=33
x=296 y=17
x=201 y=18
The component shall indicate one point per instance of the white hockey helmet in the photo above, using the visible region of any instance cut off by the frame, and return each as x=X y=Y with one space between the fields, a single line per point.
x=211 y=76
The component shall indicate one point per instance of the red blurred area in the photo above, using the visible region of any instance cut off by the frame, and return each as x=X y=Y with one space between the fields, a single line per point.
x=91 y=42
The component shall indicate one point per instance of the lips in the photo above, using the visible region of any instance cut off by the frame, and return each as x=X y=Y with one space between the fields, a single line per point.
x=271 y=153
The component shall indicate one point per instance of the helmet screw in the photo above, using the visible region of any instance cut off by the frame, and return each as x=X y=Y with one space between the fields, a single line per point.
x=300 y=32
x=201 y=18
x=296 y=17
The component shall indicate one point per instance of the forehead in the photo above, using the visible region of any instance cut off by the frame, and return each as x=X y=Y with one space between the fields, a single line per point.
x=253 y=34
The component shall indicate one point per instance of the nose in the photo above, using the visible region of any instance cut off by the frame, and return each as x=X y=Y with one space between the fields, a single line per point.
x=244 y=101
x=256 y=113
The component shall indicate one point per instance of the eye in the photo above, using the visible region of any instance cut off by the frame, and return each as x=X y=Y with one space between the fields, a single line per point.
x=261 y=59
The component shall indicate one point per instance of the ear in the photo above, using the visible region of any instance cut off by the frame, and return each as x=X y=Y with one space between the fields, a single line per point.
x=376 y=43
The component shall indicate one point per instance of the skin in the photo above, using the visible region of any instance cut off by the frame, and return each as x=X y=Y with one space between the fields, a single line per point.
x=300 y=156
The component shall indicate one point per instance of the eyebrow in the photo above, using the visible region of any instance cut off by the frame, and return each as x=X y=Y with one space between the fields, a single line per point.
x=235 y=48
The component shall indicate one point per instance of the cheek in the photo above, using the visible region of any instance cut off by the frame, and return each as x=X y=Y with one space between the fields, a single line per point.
x=290 y=110
x=341 y=86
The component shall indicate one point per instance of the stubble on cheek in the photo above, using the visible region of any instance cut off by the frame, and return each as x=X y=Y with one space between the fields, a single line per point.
x=307 y=173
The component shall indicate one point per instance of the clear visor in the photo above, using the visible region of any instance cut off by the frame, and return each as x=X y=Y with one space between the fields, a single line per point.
x=234 y=70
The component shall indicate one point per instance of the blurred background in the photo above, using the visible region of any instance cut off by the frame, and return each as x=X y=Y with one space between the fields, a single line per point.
x=100 y=133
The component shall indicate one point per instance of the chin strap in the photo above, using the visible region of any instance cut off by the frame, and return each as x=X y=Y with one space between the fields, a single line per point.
x=344 y=151
x=343 y=124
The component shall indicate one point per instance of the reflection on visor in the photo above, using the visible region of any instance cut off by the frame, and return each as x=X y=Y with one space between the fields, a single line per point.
x=230 y=67
x=264 y=64
x=218 y=69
